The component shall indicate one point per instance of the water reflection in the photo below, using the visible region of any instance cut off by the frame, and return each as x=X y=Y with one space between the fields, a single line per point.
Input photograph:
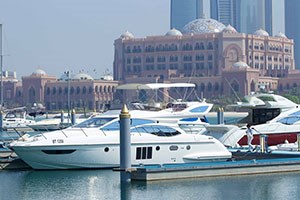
x=105 y=184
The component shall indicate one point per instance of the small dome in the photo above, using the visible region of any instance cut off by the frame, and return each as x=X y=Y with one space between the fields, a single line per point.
x=127 y=35
x=173 y=32
x=107 y=78
x=204 y=25
x=63 y=77
x=39 y=72
x=82 y=76
x=240 y=64
x=281 y=34
x=261 y=32
x=229 y=29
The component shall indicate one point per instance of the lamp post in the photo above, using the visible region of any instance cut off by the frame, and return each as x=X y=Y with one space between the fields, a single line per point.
x=67 y=73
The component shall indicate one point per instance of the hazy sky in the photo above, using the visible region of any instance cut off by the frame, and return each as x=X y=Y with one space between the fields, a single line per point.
x=59 y=35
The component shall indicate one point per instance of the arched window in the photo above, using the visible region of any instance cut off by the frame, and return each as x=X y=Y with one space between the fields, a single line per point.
x=48 y=91
x=72 y=90
x=90 y=90
x=84 y=90
x=54 y=90
x=209 y=87
x=96 y=89
x=59 y=90
x=78 y=90
x=66 y=90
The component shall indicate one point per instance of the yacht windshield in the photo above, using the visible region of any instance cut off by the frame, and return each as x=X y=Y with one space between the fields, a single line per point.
x=94 y=122
x=133 y=122
x=158 y=130
x=289 y=120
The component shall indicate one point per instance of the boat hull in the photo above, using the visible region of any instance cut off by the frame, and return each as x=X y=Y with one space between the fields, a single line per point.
x=272 y=138
x=107 y=155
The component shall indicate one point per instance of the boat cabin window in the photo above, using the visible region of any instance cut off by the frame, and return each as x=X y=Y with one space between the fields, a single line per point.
x=200 y=109
x=295 y=113
x=94 y=122
x=263 y=115
x=289 y=120
x=176 y=106
x=158 y=130
x=133 y=122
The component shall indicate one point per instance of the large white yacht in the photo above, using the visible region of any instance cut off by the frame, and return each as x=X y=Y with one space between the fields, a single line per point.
x=95 y=144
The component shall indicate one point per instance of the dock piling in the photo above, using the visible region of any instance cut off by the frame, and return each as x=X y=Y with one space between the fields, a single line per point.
x=1 y=121
x=73 y=119
x=125 y=145
x=263 y=142
x=220 y=115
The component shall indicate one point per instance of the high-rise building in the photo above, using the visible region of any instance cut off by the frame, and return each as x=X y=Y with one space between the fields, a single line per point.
x=184 y=11
x=292 y=27
x=250 y=15
x=224 y=11
x=275 y=16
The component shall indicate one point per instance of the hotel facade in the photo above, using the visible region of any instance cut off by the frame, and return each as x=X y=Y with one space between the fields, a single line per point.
x=217 y=58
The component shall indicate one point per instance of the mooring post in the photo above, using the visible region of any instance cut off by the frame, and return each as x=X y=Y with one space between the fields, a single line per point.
x=125 y=145
x=220 y=116
x=73 y=119
x=1 y=121
x=62 y=116
x=263 y=143
x=298 y=141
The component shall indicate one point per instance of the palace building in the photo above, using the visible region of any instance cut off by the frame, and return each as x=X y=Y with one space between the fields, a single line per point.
x=217 y=58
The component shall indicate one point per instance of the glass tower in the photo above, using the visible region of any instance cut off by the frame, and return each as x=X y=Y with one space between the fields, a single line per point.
x=292 y=28
x=224 y=11
x=184 y=11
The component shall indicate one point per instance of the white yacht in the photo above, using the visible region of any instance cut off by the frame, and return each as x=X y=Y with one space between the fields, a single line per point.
x=55 y=122
x=95 y=144
x=16 y=118
x=282 y=129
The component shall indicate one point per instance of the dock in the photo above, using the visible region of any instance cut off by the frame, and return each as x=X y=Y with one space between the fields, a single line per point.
x=10 y=161
x=242 y=163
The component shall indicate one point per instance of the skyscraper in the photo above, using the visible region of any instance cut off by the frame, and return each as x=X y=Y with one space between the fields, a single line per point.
x=292 y=27
x=224 y=11
x=251 y=15
x=275 y=16
x=247 y=16
x=184 y=11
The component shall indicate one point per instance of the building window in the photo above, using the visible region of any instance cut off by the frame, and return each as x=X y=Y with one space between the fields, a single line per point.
x=78 y=90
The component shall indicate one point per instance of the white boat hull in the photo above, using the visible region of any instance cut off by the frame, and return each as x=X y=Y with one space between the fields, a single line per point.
x=106 y=154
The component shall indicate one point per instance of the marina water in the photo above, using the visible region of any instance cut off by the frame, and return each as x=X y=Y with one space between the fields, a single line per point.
x=105 y=184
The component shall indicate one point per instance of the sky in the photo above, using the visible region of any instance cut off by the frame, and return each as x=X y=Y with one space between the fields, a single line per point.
x=75 y=35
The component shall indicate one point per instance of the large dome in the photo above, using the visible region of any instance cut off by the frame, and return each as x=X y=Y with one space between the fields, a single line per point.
x=204 y=25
